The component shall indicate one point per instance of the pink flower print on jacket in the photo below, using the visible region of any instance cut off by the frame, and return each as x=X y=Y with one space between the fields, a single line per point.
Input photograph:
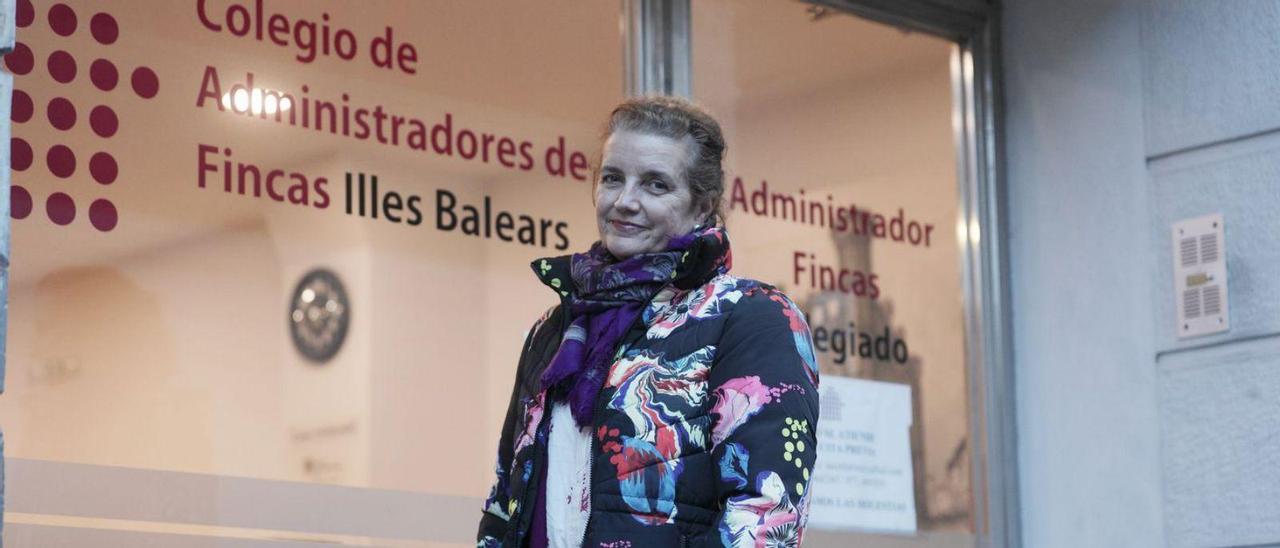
x=533 y=414
x=657 y=395
x=703 y=302
x=737 y=400
x=770 y=519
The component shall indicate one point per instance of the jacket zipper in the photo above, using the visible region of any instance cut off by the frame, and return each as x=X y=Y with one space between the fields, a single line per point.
x=591 y=464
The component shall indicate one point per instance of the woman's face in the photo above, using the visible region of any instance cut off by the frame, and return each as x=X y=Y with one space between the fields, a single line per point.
x=642 y=198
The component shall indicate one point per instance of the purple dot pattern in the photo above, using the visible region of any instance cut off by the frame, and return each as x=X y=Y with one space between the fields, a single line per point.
x=104 y=29
x=60 y=160
x=102 y=215
x=62 y=66
x=23 y=108
x=103 y=121
x=60 y=208
x=103 y=75
x=62 y=114
x=102 y=167
x=25 y=14
x=62 y=19
x=20 y=154
x=20 y=61
x=19 y=202
x=145 y=83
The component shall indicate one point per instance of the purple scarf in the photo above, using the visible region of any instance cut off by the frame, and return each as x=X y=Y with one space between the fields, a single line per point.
x=606 y=298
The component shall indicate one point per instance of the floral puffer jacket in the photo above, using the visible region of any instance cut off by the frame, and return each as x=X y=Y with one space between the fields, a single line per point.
x=705 y=429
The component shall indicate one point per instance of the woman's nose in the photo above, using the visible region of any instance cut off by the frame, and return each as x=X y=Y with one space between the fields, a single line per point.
x=627 y=199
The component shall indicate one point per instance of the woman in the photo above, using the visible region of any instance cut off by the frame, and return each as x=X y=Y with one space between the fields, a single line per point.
x=663 y=402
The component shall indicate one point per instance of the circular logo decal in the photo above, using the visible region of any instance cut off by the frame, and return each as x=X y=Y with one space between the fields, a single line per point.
x=318 y=315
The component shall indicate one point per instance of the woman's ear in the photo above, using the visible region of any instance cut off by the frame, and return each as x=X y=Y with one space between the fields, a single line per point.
x=702 y=212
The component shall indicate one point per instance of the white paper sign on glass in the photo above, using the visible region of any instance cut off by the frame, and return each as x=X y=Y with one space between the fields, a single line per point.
x=863 y=476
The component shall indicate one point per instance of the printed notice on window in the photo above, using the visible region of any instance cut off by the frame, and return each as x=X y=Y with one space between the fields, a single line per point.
x=863 y=478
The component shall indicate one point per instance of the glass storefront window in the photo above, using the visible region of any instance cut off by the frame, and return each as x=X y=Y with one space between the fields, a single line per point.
x=209 y=196
x=842 y=166
x=273 y=248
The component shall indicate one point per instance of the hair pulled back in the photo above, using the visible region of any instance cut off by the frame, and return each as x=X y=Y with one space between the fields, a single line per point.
x=678 y=118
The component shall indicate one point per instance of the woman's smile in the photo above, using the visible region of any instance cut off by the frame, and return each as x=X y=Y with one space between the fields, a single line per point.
x=626 y=228
x=642 y=198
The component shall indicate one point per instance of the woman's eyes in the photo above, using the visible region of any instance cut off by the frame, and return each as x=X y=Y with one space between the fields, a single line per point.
x=658 y=184
x=655 y=185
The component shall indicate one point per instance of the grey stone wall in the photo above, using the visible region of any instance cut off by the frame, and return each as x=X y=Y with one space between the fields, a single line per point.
x=1080 y=265
x=1123 y=117
x=1211 y=81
